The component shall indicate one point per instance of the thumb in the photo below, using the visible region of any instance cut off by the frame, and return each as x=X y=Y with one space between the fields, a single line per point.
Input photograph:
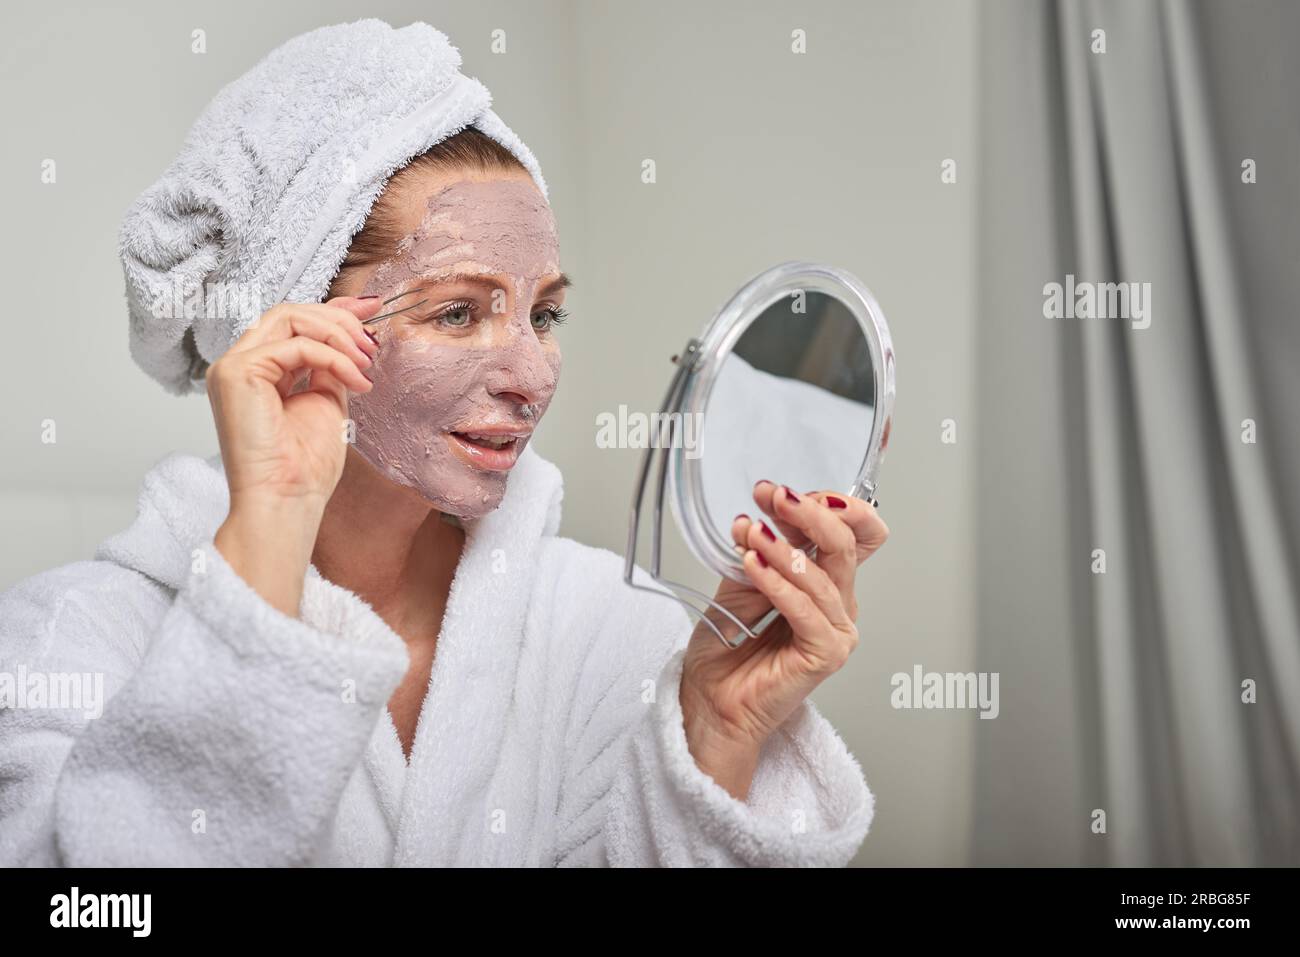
x=363 y=307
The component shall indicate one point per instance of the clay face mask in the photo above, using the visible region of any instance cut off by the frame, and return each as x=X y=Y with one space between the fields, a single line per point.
x=461 y=381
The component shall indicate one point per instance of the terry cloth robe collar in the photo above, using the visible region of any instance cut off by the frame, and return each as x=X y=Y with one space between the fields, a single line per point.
x=478 y=647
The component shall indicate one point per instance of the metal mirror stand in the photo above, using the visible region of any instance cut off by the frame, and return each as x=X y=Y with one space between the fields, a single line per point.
x=701 y=356
x=685 y=363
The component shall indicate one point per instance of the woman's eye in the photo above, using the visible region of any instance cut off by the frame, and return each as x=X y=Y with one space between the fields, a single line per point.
x=458 y=316
x=545 y=318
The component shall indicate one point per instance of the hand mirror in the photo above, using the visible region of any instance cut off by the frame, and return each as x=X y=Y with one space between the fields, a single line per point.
x=792 y=381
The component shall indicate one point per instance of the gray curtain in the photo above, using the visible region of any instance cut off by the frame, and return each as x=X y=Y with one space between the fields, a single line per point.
x=1122 y=691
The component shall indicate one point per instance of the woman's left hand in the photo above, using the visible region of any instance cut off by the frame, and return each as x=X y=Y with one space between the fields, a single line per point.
x=733 y=699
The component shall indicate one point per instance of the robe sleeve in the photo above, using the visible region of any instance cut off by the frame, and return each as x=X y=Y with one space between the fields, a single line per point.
x=229 y=731
x=634 y=796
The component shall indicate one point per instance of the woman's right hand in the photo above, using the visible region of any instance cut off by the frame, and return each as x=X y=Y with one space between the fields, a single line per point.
x=279 y=446
x=283 y=451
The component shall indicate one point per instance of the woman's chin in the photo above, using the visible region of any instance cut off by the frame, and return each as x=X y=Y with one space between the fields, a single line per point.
x=451 y=485
x=466 y=494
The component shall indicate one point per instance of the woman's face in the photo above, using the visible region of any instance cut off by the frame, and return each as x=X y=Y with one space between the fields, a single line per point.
x=462 y=379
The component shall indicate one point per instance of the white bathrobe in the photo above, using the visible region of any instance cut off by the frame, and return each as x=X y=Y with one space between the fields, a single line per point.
x=550 y=735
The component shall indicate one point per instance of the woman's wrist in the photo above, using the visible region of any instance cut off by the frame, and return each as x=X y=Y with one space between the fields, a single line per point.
x=731 y=761
x=269 y=545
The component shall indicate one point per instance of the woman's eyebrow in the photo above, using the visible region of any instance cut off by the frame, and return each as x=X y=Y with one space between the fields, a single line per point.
x=481 y=279
x=555 y=285
x=473 y=278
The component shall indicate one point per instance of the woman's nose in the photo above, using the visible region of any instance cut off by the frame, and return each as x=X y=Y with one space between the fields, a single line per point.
x=524 y=371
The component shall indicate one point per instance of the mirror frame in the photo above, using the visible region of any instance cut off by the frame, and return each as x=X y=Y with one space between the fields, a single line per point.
x=703 y=538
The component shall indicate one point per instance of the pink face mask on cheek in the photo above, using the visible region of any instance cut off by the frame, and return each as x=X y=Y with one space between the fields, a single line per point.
x=429 y=385
x=423 y=392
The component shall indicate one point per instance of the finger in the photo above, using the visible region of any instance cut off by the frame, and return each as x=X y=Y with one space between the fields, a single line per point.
x=764 y=490
x=330 y=326
x=742 y=600
x=812 y=631
x=740 y=527
x=293 y=382
x=834 y=540
x=353 y=310
x=869 y=529
x=288 y=319
x=312 y=380
x=272 y=360
x=807 y=576
x=288 y=382
x=740 y=538
x=740 y=530
x=326 y=383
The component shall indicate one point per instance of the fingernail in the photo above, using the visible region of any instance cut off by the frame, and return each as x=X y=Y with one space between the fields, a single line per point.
x=761 y=482
x=834 y=502
x=761 y=560
x=788 y=491
x=741 y=515
x=767 y=531
x=371 y=336
x=367 y=297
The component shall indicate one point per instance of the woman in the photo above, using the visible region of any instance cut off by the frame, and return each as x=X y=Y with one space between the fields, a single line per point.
x=354 y=638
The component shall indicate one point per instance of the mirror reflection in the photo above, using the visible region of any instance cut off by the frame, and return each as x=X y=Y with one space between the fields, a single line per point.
x=792 y=403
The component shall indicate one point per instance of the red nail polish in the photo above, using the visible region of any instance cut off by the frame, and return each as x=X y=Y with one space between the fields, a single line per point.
x=767 y=531
x=790 y=492
x=761 y=560
x=834 y=502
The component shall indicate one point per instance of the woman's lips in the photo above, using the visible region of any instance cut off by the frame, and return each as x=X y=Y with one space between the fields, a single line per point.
x=480 y=456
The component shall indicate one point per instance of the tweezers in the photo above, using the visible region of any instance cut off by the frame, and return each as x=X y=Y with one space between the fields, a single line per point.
x=396 y=311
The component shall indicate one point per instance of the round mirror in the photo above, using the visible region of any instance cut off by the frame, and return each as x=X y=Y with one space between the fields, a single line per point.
x=793 y=382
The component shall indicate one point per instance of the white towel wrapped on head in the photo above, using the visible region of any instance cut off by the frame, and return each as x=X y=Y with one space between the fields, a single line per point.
x=275 y=178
